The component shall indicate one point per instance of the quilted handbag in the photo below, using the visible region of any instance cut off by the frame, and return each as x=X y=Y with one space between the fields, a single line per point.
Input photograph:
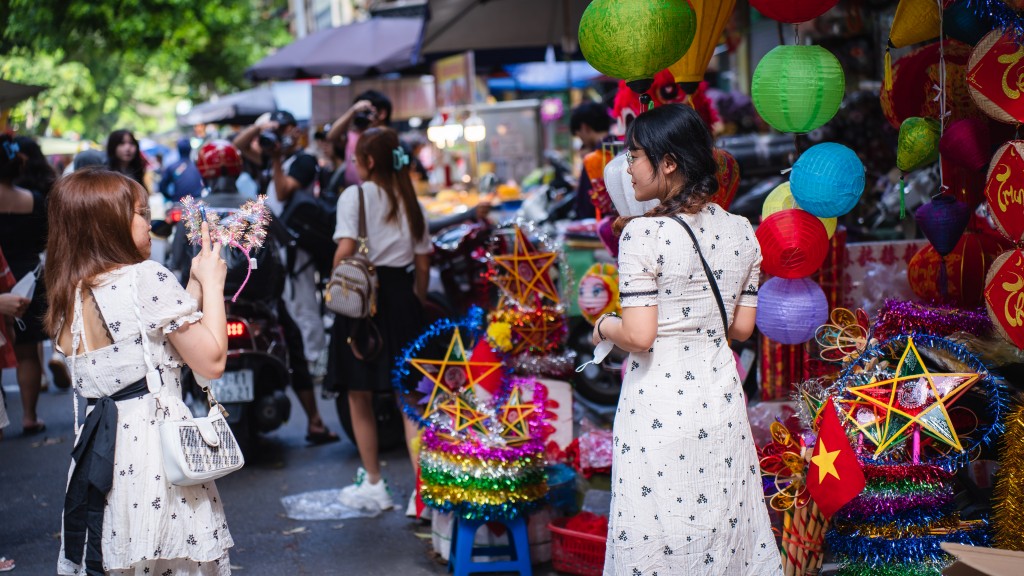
x=352 y=290
x=199 y=450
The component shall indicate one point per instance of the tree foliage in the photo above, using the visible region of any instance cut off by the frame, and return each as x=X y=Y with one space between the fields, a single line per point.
x=113 y=63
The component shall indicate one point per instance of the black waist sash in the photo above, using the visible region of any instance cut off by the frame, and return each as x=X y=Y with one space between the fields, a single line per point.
x=92 y=478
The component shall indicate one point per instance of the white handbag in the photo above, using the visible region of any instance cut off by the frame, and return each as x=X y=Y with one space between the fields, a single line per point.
x=352 y=290
x=199 y=450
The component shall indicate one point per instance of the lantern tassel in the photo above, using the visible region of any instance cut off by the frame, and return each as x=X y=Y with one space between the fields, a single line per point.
x=903 y=197
x=888 y=68
x=943 y=278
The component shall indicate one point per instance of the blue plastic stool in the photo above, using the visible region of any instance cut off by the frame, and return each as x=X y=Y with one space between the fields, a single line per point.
x=460 y=558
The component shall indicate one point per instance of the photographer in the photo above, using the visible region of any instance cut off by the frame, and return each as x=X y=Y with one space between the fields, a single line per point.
x=288 y=173
x=371 y=109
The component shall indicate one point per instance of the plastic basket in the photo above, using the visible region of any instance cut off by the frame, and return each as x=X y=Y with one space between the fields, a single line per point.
x=562 y=488
x=575 y=552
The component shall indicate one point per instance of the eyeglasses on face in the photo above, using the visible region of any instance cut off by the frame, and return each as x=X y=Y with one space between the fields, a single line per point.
x=631 y=158
x=146 y=213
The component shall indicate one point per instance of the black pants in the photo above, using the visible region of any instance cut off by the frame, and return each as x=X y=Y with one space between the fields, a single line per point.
x=301 y=378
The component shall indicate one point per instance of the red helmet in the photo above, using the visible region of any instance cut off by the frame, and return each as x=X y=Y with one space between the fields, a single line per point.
x=218 y=157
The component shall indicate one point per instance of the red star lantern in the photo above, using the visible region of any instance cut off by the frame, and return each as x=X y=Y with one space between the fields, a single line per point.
x=1004 y=189
x=1004 y=296
x=525 y=274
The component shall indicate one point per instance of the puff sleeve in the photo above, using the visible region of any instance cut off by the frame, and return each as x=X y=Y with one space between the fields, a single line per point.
x=748 y=294
x=163 y=304
x=640 y=263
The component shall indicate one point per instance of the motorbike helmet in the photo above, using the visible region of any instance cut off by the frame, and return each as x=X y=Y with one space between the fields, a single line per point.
x=218 y=158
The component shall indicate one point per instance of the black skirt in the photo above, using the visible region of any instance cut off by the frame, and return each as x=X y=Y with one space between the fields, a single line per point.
x=400 y=321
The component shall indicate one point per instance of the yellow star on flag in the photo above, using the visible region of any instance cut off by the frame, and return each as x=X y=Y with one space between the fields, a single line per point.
x=527 y=272
x=915 y=396
x=825 y=461
x=454 y=374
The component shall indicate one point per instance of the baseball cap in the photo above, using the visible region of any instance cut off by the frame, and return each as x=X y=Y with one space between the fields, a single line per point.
x=283 y=118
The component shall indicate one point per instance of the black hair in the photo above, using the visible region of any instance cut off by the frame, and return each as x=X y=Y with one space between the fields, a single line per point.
x=37 y=173
x=678 y=132
x=592 y=114
x=12 y=160
x=136 y=168
x=379 y=101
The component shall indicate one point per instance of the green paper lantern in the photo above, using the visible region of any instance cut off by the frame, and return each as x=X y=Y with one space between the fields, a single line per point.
x=918 y=144
x=635 y=39
x=798 y=88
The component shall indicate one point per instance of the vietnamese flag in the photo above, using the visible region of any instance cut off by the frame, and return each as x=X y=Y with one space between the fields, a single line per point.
x=834 y=476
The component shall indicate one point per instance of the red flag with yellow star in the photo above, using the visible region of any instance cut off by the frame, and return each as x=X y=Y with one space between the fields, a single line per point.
x=834 y=476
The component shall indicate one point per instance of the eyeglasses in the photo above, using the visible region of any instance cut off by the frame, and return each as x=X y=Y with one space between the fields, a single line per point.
x=146 y=213
x=631 y=159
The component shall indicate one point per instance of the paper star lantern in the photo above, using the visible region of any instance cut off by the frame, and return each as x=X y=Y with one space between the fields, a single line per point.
x=463 y=415
x=453 y=375
x=513 y=418
x=525 y=274
x=915 y=398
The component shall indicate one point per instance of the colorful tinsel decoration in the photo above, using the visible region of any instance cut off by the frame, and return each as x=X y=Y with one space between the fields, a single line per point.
x=244 y=229
x=905 y=317
x=1008 y=514
x=1001 y=14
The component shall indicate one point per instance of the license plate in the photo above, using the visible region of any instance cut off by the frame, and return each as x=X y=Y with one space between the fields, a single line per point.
x=233 y=387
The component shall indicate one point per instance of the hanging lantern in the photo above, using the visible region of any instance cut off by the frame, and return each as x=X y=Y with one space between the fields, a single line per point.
x=712 y=16
x=918 y=143
x=966 y=267
x=728 y=178
x=798 y=88
x=962 y=22
x=914 y=78
x=915 y=21
x=1004 y=296
x=1004 y=189
x=967 y=143
x=781 y=198
x=793 y=11
x=793 y=244
x=635 y=39
x=827 y=180
x=790 y=311
x=994 y=76
x=943 y=221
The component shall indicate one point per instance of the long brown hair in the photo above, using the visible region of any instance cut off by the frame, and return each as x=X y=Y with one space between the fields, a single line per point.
x=90 y=219
x=676 y=131
x=390 y=173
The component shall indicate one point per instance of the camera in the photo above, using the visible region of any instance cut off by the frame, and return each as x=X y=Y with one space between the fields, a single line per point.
x=362 y=119
x=270 y=141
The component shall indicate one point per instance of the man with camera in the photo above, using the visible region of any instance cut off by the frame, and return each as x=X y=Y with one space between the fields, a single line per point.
x=287 y=177
x=371 y=109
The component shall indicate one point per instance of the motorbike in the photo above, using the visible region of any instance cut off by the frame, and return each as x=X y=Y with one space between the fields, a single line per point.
x=256 y=376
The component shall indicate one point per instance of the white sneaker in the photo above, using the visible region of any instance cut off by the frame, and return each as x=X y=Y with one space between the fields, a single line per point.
x=362 y=494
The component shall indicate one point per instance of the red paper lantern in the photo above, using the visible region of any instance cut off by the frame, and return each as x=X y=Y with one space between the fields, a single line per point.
x=728 y=178
x=791 y=11
x=967 y=143
x=994 y=74
x=1004 y=189
x=1004 y=296
x=794 y=244
x=914 y=77
x=966 y=267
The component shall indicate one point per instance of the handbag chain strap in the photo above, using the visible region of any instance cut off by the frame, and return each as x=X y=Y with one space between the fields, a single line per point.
x=364 y=248
x=707 y=271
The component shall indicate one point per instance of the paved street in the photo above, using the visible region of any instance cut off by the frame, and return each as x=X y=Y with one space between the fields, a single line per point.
x=33 y=471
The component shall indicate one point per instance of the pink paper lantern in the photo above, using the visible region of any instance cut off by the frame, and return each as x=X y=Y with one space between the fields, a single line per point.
x=967 y=143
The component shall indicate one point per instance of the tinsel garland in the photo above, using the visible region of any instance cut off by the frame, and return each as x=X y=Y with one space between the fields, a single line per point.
x=1008 y=498
x=881 y=551
x=933 y=522
x=901 y=488
x=558 y=365
x=901 y=511
x=546 y=326
x=1001 y=15
x=893 y=568
x=436 y=442
x=903 y=317
x=992 y=387
x=455 y=479
x=916 y=474
x=462 y=504
x=476 y=468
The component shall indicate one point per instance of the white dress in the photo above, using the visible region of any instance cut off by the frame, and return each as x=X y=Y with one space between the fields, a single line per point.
x=149 y=525
x=686 y=488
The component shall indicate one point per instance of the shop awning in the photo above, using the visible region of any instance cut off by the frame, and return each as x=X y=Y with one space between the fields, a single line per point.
x=12 y=92
x=460 y=25
x=374 y=46
x=239 y=108
x=545 y=76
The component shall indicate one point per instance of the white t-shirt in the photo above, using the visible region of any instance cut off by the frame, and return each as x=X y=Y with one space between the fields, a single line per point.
x=390 y=243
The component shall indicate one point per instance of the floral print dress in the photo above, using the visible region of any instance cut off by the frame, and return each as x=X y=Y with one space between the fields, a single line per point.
x=150 y=526
x=686 y=489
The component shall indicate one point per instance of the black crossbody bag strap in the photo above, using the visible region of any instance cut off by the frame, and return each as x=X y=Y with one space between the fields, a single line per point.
x=707 y=271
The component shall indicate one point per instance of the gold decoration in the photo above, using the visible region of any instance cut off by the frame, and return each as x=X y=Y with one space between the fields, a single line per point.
x=526 y=278
x=1008 y=514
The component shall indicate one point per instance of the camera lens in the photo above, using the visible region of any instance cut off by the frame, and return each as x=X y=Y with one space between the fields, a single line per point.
x=362 y=120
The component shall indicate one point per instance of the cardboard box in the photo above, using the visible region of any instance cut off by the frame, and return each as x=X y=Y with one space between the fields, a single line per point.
x=979 y=561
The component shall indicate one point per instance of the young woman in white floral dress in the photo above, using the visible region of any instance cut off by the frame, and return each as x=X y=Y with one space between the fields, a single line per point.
x=109 y=309
x=686 y=489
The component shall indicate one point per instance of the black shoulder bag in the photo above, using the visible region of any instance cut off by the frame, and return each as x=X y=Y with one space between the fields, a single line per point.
x=710 y=275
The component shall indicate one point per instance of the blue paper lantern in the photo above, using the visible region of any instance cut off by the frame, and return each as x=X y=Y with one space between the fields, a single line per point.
x=790 y=311
x=827 y=180
x=965 y=23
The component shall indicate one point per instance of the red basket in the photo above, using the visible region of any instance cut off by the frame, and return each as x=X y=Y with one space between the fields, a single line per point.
x=575 y=552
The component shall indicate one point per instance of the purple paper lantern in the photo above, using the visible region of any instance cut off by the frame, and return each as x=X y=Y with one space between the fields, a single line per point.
x=967 y=143
x=789 y=311
x=943 y=221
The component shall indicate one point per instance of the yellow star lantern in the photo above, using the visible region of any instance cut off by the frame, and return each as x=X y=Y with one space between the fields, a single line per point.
x=915 y=398
x=453 y=375
x=514 y=418
x=463 y=415
x=525 y=274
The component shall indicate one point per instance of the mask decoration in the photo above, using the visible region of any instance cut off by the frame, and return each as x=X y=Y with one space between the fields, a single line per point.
x=627 y=104
x=599 y=292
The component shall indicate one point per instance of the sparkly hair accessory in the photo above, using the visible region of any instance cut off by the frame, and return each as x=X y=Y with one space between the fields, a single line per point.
x=399 y=158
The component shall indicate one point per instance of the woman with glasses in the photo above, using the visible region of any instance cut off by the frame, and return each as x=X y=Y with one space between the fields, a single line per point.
x=686 y=489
